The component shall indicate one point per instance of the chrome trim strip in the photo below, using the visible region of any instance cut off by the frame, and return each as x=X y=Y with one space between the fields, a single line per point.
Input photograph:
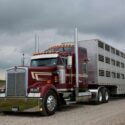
x=34 y=95
x=80 y=75
x=60 y=90
x=35 y=75
x=2 y=95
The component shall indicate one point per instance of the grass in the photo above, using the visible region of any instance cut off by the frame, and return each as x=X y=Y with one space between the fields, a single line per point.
x=2 y=83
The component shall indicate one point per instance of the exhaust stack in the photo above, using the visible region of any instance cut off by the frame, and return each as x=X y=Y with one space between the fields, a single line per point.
x=76 y=61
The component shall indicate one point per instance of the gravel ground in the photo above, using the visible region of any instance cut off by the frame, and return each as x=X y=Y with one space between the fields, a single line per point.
x=112 y=113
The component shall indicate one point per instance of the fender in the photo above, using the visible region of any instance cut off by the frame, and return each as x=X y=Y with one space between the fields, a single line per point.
x=45 y=88
x=95 y=91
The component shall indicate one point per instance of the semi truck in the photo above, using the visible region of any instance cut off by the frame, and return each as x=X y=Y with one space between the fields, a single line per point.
x=66 y=73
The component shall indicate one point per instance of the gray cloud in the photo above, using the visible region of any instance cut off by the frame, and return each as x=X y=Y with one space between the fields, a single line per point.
x=105 y=18
x=54 y=21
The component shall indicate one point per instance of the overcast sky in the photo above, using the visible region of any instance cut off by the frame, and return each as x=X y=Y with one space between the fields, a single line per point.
x=54 y=22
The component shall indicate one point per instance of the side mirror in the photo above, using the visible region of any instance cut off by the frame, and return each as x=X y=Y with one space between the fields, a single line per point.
x=69 y=61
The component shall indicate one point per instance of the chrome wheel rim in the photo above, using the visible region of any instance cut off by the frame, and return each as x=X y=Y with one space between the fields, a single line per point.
x=51 y=103
x=100 y=97
x=106 y=96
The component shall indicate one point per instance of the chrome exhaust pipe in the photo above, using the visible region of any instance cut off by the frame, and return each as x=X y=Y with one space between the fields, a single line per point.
x=76 y=61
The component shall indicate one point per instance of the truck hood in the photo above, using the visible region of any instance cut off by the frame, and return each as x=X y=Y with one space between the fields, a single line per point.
x=43 y=69
x=40 y=74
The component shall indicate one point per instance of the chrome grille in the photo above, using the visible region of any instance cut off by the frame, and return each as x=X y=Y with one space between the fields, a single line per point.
x=16 y=82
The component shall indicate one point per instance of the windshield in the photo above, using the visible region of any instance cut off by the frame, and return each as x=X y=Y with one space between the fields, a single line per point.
x=44 y=62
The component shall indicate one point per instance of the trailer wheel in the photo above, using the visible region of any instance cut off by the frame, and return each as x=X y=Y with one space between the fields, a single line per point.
x=49 y=103
x=99 y=97
x=105 y=95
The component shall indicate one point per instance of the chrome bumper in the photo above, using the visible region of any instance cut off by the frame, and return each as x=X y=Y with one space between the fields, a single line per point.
x=20 y=104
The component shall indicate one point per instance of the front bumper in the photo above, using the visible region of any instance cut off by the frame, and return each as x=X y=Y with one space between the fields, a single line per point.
x=20 y=104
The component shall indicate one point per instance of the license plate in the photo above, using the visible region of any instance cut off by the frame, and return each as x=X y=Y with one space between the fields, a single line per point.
x=15 y=109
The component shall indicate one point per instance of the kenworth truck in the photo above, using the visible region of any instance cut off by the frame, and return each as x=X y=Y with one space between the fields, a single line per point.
x=50 y=81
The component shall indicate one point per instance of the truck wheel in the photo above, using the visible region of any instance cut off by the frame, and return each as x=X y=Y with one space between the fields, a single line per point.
x=105 y=95
x=49 y=103
x=99 y=97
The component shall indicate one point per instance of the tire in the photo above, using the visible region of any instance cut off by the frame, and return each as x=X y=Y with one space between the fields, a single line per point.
x=99 y=97
x=49 y=103
x=105 y=95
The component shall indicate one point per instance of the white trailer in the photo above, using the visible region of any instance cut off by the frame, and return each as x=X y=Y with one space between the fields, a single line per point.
x=106 y=69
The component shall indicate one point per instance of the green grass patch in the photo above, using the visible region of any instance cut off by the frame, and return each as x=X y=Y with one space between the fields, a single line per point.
x=2 y=83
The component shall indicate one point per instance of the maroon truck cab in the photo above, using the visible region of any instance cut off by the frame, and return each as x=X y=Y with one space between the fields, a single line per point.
x=51 y=69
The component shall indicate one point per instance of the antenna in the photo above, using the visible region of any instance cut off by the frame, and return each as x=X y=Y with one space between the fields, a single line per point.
x=23 y=59
x=35 y=42
x=38 y=43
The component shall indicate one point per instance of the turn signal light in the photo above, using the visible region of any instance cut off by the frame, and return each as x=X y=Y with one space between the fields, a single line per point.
x=49 y=81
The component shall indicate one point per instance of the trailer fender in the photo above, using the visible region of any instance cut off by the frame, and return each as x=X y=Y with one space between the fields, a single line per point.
x=95 y=92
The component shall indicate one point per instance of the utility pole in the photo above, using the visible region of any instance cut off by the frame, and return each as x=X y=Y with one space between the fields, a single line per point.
x=38 y=43
x=23 y=59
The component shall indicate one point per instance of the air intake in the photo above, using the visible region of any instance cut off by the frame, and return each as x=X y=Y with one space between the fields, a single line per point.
x=16 y=82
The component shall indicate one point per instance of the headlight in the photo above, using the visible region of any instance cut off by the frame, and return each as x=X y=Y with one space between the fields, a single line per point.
x=34 y=90
x=2 y=90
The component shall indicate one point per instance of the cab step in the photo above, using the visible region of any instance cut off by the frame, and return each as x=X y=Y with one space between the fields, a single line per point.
x=70 y=102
